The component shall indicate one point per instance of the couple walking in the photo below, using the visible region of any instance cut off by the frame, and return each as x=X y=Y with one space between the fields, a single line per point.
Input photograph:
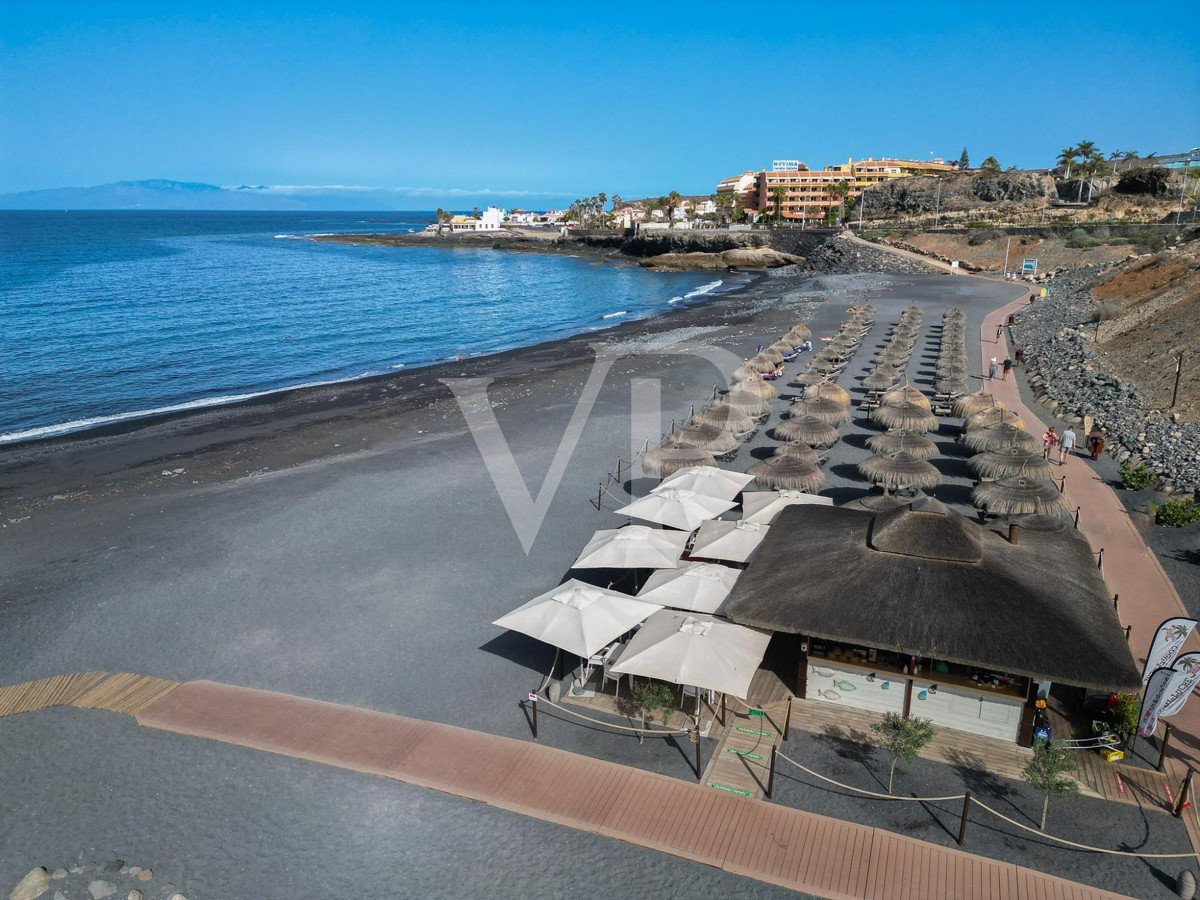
x=1064 y=442
x=993 y=365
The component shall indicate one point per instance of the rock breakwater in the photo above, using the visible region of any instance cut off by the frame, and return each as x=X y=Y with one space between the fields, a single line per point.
x=1069 y=376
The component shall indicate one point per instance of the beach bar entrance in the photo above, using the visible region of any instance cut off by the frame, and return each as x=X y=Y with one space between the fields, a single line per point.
x=920 y=611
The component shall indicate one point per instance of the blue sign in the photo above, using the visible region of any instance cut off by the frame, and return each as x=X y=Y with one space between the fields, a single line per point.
x=1029 y=265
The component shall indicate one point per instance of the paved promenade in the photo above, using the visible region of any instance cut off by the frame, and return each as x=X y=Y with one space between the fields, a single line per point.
x=787 y=847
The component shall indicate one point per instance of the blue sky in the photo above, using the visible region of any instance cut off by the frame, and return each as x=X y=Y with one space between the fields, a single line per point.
x=457 y=99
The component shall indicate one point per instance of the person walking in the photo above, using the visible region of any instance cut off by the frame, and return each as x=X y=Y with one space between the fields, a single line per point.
x=999 y=333
x=1095 y=442
x=1049 y=439
x=1007 y=368
x=992 y=369
x=1066 y=444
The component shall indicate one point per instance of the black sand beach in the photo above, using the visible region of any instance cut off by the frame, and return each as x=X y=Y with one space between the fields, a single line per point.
x=348 y=544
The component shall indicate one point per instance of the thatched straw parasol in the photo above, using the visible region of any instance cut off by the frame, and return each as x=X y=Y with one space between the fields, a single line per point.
x=787 y=473
x=1009 y=461
x=668 y=459
x=951 y=386
x=820 y=408
x=993 y=416
x=894 y=358
x=714 y=439
x=800 y=333
x=783 y=347
x=973 y=403
x=894 y=471
x=811 y=431
x=953 y=372
x=754 y=388
x=744 y=373
x=909 y=442
x=799 y=450
x=812 y=376
x=951 y=365
x=763 y=363
x=997 y=437
x=1018 y=495
x=829 y=391
x=953 y=312
x=725 y=416
x=772 y=353
x=908 y=416
x=904 y=394
x=880 y=379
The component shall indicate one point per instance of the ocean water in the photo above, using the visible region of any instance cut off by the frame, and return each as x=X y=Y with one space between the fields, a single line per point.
x=106 y=316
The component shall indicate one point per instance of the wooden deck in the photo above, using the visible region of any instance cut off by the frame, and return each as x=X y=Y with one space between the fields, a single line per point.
x=58 y=690
x=799 y=850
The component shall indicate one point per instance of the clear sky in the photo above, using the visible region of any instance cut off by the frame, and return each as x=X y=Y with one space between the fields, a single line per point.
x=566 y=99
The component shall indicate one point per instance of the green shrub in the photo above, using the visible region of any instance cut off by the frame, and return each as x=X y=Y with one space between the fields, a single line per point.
x=1135 y=479
x=1123 y=715
x=1177 y=513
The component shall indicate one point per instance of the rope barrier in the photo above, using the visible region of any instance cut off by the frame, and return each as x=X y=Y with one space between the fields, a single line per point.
x=1078 y=846
x=850 y=787
x=572 y=712
x=549 y=675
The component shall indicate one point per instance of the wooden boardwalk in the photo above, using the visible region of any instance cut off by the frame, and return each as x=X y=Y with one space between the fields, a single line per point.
x=802 y=851
x=59 y=690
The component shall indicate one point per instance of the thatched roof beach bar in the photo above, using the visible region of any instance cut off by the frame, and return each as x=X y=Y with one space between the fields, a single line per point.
x=919 y=610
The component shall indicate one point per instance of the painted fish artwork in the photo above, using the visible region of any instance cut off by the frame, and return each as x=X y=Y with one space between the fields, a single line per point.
x=844 y=686
x=831 y=695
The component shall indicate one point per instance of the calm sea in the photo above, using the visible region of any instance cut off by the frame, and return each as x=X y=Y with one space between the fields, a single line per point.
x=107 y=316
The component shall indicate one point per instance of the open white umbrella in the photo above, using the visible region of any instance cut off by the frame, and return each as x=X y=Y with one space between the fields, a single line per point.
x=697 y=650
x=708 y=480
x=676 y=507
x=577 y=617
x=695 y=586
x=733 y=541
x=763 y=506
x=633 y=547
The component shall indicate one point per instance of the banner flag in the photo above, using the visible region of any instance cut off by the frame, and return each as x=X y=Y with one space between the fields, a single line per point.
x=1168 y=641
x=1186 y=673
x=1152 y=702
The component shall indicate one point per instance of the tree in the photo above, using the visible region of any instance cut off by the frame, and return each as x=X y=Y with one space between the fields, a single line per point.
x=991 y=164
x=670 y=204
x=902 y=737
x=443 y=219
x=964 y=161
x=1046 y=772
x=778 y=193
x=839 y=191
x=1067 y=157
x=649 y=697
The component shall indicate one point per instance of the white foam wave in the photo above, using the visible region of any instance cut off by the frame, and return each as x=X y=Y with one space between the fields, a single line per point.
x=616 y=315
x=674 y=299
x=48 y=431
x=703 y=289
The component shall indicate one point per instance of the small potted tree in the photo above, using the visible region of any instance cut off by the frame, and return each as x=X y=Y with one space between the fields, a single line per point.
x=651 y=696
x=1046 y=772
x=903 y=738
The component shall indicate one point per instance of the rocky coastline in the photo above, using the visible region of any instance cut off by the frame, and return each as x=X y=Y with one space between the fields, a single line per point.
x=1068 y=375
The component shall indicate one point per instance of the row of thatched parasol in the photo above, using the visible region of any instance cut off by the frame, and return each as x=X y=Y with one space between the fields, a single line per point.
x=893 y=358
x=951 y=367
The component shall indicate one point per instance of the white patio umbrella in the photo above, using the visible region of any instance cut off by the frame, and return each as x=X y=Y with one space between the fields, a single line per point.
x=633 y=547
x=696 y=650
x=763 y=506
x=733 y=541
x=708 y=480
x=577 y=617
x=695 y=586
x=676 y=507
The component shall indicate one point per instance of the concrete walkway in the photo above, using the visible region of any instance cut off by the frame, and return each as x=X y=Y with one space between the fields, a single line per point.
x=806 y=852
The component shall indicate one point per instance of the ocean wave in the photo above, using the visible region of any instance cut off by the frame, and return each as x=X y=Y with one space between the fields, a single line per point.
x=674 y=299
x=703 y=289
x=61 y=428
x=615 y=315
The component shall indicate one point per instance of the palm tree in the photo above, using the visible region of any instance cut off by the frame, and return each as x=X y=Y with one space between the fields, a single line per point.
x=778 y=192
x=443 y=219
x=1067 y=157
x=840 y=190
x=991 y=164
x=670 y=204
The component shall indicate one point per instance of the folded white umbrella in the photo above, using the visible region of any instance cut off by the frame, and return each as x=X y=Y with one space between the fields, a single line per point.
x=695 y=586
x=733 y=541
x=580 y=618
x=763 y=506
x=708 y=480
x=697 y=650
x=633 y=547
x=677 y=508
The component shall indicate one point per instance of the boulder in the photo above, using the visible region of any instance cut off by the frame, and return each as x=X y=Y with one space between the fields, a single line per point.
x=32 y=886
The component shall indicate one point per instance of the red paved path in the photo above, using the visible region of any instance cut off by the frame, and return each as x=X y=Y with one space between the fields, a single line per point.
x=788 y=847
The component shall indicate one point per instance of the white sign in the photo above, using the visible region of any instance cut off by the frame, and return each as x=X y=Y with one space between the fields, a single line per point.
x=1186 y=673
x=1152 y=702
x=533 y=697
x=1029 y=265
x=1168 y=641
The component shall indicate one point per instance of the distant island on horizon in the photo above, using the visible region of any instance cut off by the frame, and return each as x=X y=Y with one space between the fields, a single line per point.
x=166 y=194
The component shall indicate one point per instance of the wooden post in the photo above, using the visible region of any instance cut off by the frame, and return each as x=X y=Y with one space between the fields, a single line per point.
x=1184 y=790
x=907 y=697
x=1178 y=372
x=787 y=718
x=1128 y=629
x=1100 y=559
x=962 y=827
x=1077 y=509
x=534 y=702
x=1162 y=749
x=599 y=496
x=620 y=482
x=1062 y=485
x=1117 y=603
x=699 y=770
x=722 y=709
x=771 y=772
